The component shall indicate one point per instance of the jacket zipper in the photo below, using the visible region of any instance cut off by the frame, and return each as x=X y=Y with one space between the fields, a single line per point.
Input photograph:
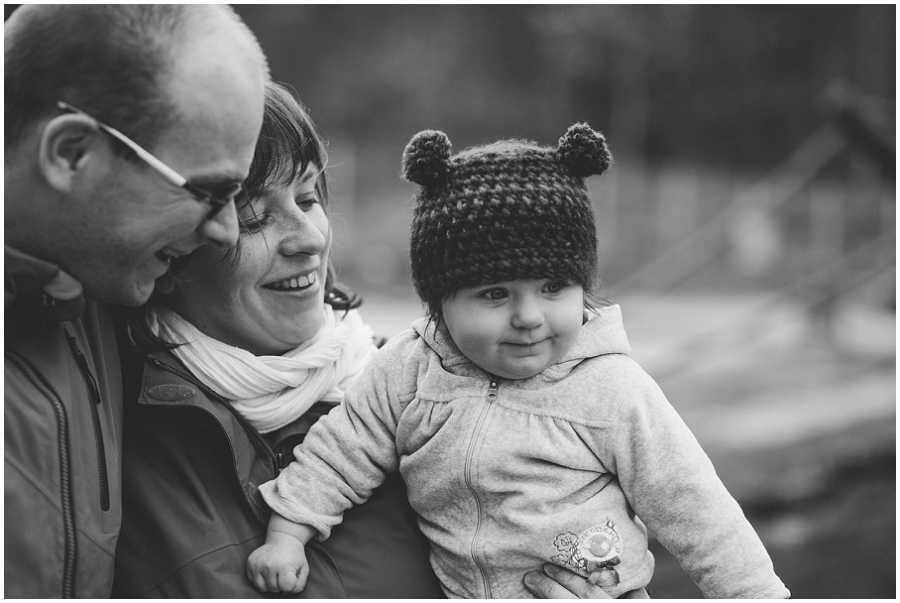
x=276 y=460
x=94 y=396
x=492 y=395
x=70 y=545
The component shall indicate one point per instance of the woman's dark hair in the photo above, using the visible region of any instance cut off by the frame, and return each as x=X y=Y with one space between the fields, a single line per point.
x=288 y=144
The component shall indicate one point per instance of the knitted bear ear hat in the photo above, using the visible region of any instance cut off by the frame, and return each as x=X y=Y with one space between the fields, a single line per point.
x=505 y=211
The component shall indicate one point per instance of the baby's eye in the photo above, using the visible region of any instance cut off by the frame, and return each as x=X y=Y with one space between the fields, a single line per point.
x=494 y=294
x=555 y=286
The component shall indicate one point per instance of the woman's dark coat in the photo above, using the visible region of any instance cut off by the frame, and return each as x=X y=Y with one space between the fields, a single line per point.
x=193 y=514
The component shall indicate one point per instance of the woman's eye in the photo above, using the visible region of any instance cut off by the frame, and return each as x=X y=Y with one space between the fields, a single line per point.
x=254 y=224
x=305 y=202
x=249 y=226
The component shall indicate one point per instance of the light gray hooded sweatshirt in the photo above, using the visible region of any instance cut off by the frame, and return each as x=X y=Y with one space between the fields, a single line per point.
x=508 y=474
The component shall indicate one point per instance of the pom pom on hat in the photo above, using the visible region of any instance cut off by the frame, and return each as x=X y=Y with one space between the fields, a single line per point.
x=426 y=159
x=583 y=151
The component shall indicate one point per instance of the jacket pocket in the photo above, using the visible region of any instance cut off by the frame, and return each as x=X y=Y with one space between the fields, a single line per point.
x=93 y=391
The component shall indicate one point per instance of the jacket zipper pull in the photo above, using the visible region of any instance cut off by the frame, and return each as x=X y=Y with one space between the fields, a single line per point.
x=492 y=390
x=92 y=383
x=85 y=370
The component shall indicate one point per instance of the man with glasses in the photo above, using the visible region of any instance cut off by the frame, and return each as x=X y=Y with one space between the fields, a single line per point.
x=128 y=131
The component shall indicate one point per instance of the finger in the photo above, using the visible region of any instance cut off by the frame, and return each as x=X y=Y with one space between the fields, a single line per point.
x=302 y=576
x=271 y=576
x=287 y=580
x=542 y=587
x=259 y=582
x=575 y=584
x=251 y=568
x=604 y=578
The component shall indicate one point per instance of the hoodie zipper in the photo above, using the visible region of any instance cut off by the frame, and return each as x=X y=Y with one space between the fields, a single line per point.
x=70 y=545
x=467 y=473
x=95 y=400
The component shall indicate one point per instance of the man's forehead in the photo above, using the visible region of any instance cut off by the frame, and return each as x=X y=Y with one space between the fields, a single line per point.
x=214 y=141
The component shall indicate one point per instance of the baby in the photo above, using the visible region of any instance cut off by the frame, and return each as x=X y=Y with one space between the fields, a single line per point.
x=523 y=430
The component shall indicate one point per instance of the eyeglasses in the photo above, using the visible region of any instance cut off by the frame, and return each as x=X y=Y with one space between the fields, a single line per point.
x=216 y=201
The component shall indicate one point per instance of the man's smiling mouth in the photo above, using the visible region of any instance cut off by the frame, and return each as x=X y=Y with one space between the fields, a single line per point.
x=165 y=257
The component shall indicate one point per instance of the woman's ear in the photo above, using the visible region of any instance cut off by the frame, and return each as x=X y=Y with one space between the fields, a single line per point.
x=67 y=144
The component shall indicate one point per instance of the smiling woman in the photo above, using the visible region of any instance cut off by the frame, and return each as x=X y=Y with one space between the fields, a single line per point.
x=269 y=299
x=238 y=353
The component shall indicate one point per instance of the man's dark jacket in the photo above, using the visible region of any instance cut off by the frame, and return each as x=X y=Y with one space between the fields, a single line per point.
x=62 y=437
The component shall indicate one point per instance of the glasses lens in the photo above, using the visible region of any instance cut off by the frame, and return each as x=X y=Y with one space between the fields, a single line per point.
x=218 y=198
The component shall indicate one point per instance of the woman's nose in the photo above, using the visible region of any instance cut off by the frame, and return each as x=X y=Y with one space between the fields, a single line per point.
x=305 y=236
x=222 y=229
x=527 y=314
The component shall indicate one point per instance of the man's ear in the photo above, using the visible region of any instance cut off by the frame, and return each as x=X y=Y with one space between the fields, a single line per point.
x=69 y=144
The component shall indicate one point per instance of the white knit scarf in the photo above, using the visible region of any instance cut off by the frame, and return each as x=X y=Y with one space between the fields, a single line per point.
x=273 y=391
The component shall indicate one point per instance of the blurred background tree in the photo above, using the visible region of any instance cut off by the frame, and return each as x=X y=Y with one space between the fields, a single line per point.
x=699 y=83
x=698 y=103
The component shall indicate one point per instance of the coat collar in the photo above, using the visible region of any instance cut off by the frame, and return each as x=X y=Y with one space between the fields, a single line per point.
x=35 y=286
x=167 y=383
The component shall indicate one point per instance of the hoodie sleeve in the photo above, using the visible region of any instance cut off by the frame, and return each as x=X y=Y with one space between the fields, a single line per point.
x=347 y=453
x=673 y=487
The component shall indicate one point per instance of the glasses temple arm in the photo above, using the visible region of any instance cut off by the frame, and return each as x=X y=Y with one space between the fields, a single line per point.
x=167 y=172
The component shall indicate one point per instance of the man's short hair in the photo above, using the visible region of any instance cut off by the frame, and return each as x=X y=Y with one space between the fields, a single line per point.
x=109 y=60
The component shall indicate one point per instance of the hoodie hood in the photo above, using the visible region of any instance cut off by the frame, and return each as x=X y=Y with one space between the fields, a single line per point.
x=602 y=333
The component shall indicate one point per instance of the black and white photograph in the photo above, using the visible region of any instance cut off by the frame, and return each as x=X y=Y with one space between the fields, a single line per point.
x=414 y=301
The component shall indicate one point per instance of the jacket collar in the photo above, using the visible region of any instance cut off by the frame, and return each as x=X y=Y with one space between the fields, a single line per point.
x=35 y=286
x=166 y=382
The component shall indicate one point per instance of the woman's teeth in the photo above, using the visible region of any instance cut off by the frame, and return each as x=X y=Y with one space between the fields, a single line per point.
x=300 y=282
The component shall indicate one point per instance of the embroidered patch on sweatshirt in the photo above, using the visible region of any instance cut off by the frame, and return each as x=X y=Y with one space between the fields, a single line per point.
x=594 y=549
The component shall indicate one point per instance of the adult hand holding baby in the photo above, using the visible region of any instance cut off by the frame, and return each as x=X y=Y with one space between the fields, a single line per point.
x=555 y=582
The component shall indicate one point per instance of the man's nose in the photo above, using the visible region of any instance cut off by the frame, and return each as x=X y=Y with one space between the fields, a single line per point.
x=222 y=229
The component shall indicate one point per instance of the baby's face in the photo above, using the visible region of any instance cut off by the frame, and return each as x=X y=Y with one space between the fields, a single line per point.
x=515 y=329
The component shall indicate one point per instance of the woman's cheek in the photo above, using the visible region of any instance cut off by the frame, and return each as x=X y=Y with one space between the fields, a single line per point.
x=253 y=263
